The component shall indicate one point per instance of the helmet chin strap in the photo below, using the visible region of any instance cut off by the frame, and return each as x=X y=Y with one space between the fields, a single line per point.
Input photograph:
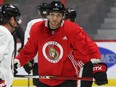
x=12 y=25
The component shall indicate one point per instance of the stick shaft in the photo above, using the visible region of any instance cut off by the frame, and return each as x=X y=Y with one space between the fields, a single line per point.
x=55 y=77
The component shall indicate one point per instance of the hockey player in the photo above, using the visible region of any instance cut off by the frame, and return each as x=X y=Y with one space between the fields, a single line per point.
x=9 y=20
x=42 y=11
x=63 y=50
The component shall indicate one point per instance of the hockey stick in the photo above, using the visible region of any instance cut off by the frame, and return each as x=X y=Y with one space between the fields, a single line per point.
x=56 y=77
x=28 y=81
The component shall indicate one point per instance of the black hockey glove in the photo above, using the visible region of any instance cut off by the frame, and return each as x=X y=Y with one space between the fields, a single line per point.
x=16 y=65
x=99 y=73
x=15 y=72
x=28 y=67
x=15 y=68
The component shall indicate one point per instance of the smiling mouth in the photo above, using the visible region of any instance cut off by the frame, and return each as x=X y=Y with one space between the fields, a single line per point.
x=53 y=24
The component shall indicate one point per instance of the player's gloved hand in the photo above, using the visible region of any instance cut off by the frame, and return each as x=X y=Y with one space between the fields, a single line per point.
x=2 y=83
x=28 y=67
x=16 y=65
x=99 y=73
x=15 y=72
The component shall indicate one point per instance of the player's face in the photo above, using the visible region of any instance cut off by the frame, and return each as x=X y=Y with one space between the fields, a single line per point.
x=55 y=19
x=13 y=23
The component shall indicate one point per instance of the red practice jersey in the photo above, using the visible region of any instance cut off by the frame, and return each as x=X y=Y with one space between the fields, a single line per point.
x=61 y=52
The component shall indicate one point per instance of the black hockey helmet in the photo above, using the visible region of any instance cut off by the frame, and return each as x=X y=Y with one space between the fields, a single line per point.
x=7 y=11
x=71 y=14
x=43 y=9
x=56 y=6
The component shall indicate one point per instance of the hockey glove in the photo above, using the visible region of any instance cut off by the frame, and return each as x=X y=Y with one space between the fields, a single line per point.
x=87 y=72
x=99 y=73
x=15 y=72
x=28 y=67
x=16 y=65
x=2 y=83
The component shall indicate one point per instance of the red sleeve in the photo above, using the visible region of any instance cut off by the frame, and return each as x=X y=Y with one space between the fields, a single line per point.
x=30 y=48
x=83 y=45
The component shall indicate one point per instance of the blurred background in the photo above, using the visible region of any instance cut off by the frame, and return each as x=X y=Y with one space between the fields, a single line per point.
x=97 y=17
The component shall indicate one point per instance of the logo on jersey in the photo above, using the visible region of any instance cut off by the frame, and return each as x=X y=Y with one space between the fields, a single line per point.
x=64 y=38
x=52 y=51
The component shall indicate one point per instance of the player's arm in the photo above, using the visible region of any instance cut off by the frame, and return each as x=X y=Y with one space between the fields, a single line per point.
x=99 y=68
x=29 y=66
x=30 y=48
x=89 y=48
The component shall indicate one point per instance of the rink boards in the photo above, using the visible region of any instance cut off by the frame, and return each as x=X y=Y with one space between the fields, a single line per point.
x=25 y=82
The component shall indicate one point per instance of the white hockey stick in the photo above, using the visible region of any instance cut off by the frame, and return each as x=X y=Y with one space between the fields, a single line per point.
x=55 y=77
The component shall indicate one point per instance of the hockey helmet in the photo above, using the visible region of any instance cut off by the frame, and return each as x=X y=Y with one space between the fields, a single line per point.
x=56 y=6
x=7 y=11
x=43 y=9
x=71 y=14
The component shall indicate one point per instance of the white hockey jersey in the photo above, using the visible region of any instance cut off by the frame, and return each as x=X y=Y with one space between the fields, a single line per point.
x=29 y=25
x=6 y=55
